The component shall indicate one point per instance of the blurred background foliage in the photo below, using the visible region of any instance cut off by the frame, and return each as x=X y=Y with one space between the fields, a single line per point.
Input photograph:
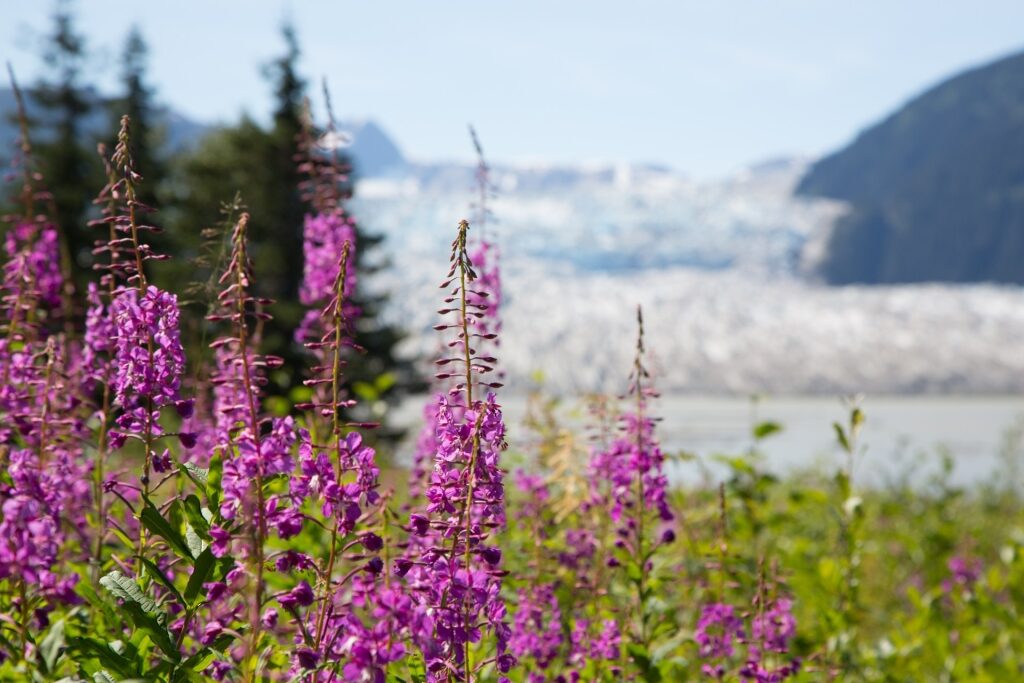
x=195 y=179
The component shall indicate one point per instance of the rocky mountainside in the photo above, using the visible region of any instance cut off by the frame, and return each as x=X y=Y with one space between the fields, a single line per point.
x=936 y=190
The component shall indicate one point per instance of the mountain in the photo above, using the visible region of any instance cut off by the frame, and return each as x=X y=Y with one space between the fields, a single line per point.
x=179 y=130
x=936 y=190
x=373 y=151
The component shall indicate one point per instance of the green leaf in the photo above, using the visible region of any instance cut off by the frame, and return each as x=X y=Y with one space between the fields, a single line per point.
x=416 y=668
x=766 y=429
x=841 y=436
x=856 y=418
x=128 y=590
x=214 y=479
x=365 y=391
x=157 y=574
x=155 y=522
x=385 y=381
x=194 y=512
x=640 y=656
x=739 y=465
x=51 y=646
x=194 y=541
x=88 y=648
x=155 y=627
x=300 y=394
x=278 y=406
x=200 y=660
x=198 y=475
x=200 y=573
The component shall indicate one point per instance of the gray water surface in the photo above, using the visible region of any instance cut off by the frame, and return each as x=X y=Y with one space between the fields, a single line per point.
x=903 y=436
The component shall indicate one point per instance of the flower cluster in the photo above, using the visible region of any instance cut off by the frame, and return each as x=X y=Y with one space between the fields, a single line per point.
x=720 y=628
x=32 y=272
x=964 y=572
x=455 y=577
x=149 y=359
x=537 y=627
x=323 y=237
x=595 y=643
x=719 y=625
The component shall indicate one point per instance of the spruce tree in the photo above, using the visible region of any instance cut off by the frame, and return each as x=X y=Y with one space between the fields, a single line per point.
x=136 y=100
x=260 y=163
x=286 y=208
x=71 y=169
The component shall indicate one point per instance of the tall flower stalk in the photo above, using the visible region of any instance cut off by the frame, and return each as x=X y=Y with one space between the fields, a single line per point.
x=457 y=580
x=98 y=345
x=486 y=293
x=42 y=498
x=630 y=483
x=250 y=457
x=148 y=356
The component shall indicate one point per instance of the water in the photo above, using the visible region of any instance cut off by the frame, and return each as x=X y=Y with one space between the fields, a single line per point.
x=903 y=437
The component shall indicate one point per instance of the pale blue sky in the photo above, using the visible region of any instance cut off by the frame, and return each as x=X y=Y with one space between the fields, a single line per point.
x=705 y=87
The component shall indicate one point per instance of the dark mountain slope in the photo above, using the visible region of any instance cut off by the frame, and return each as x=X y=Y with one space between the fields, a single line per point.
x=937 y=189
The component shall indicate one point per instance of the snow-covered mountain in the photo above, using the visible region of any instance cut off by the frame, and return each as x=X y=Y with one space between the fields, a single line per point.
x=718 y=268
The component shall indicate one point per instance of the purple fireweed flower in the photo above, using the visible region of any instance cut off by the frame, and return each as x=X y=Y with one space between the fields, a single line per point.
x=292 y=559
x=300 y=596
x=608 y=641
x=44 y=501
x=324 y=235
x=149 y=358
x=100 y=333
x=458 y=597
x=758 y=672
x=585 y=645
x=265 y=456
x=32 y=274
x=316 y=478
x=221 y=539
x=635 y=454
x=218 y=670
x=453 y=574
x=774 y=628
x=537 y=625
x=579 y=549
x=368 y=645
x=230 y=402
x=717 y=628
x=964 y=572
x=30 y=539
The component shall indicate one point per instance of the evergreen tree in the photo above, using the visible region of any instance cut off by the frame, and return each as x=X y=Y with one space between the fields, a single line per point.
x=71 y=169
x=286 y=208
x=260 y=163
x=136 y=101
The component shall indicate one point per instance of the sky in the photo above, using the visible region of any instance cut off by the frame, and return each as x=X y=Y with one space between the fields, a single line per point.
x=704 y=87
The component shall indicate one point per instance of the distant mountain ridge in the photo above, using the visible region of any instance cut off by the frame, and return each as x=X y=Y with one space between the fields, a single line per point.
x=936 y=190
x=373 y=151
x=179 y=130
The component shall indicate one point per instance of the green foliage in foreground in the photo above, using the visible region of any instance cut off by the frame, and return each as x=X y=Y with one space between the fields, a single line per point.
x=918 y=580
x=921 y=582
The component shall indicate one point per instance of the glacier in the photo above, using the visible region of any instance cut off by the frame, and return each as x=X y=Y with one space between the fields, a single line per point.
x=722 y=268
